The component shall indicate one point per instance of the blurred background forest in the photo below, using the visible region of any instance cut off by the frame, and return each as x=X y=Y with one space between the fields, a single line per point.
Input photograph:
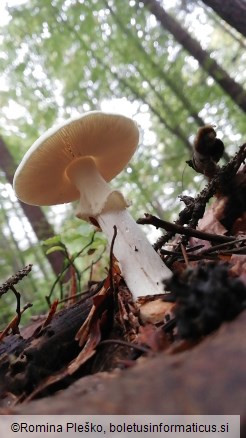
x=172 y=65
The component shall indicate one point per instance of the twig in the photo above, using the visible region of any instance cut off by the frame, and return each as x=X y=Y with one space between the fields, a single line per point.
x=9 y=285
x=179 y=229
x=241 y=251
x=198 y=257
x=111 y=261
x=18 y=309
x=15 y=279
x=185 y=255
x=178 y=253
x=221 y=246
x=86 y=293
x=125 y=344
x=13 y=323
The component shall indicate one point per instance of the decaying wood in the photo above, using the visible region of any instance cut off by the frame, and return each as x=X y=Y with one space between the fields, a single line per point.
x=208 y=379
x=48 y=358
x=24 y=362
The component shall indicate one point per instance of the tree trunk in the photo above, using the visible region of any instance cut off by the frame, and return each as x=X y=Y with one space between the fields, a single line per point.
x=176 y=89
x=232 y=88
x=35 y=215
x=233 y=12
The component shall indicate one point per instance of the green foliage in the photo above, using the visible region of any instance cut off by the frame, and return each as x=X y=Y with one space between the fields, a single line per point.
x=77 y=263
x=90 y=258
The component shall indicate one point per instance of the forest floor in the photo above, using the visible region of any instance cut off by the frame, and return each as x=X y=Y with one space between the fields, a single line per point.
x=182 y=352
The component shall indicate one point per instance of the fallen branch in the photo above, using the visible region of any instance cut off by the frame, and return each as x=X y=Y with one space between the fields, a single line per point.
x=175 y=228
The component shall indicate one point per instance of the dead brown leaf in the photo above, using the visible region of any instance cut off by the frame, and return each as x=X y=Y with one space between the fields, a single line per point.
x=239 y=226
x=238 y=266
x=89 y=348
x=154 y=337
x=210 y=223
x=51 y=313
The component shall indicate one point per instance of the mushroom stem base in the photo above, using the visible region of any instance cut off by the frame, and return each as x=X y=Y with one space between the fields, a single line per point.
x=141 y=267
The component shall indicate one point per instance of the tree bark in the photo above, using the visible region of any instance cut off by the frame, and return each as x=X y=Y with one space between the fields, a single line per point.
x=233 y=12
x=35 y=215
x=232 y=88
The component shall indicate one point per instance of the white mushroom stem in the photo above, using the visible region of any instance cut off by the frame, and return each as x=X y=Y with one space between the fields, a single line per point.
x=141 y=267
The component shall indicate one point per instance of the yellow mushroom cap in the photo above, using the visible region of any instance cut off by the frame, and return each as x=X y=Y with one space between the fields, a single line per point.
x=109 y=139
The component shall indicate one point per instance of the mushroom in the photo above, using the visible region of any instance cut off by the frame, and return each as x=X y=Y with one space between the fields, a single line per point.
x=75 y=161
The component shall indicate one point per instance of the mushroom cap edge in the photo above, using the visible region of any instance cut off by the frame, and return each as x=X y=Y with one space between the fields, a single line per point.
x=109 y=139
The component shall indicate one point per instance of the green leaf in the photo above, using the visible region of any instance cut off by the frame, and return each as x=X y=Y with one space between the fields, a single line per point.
x=52 y=241
x=54 y=249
